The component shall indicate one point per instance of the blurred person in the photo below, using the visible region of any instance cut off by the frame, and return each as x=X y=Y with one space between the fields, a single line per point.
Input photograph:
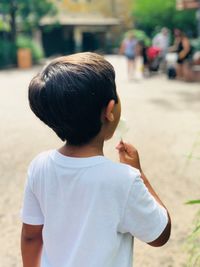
x=193 y=72
x=144 y=52
x=128 y=48
x=144 y=49
x=80 y=208
x=183 y=49
x=161 y=41
x=139 y=60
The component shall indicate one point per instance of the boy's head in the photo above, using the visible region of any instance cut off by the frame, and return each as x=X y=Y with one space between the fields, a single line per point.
x=70 y=94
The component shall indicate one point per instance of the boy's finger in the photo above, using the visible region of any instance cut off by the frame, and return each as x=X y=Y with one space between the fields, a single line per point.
x=122 y=156
x=130 y=149
x=120 y=145
x=123 y=146
x=121 y=149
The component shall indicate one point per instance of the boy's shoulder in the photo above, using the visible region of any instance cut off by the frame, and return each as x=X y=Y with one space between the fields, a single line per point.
x=39 y=160
x=122 y=171
x=117 y=174
x=115 y=178
x=123 y=168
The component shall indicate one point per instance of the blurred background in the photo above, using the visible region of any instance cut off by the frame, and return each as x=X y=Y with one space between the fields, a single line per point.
x=159 y=86
x=56 y=27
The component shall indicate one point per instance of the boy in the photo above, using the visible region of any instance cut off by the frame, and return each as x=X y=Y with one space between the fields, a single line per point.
x=80 y=208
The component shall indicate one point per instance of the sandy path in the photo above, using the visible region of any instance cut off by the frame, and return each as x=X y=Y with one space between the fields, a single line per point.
x=165 y=127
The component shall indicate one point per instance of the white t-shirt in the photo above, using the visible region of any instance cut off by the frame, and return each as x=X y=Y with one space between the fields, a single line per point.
x=161 y=41
x=91 y=209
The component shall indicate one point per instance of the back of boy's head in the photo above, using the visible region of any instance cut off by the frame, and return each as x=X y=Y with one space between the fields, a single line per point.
x=70 y=93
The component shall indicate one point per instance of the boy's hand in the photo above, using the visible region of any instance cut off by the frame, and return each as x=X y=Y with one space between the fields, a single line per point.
x=128 y=154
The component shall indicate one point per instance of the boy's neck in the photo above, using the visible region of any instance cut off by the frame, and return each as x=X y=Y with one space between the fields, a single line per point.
x=94 y=148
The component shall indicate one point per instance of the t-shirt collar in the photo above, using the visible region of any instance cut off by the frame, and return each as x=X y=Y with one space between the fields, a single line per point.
x=75 y=161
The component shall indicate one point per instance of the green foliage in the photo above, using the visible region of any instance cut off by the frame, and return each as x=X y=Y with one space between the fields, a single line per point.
x=150 y=15
x=24 y=15
x=26 y=42
x=193 y=242
x=32 y=11
x=7 y=53
x=28 y=12
x=191 y=202
x=4 y=26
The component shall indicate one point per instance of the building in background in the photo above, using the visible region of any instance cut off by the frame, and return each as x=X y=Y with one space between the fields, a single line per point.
x=85 y=25
x=187 y=4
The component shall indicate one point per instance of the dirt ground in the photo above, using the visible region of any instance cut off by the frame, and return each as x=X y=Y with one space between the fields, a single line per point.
x=164 y=124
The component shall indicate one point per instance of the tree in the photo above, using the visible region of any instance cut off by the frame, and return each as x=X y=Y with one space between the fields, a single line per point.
x=24 y=14
x=149 y=15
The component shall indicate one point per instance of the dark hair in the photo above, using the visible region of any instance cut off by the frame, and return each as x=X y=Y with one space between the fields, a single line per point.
x=70 y=93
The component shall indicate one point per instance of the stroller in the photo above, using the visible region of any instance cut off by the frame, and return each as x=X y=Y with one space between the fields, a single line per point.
x=154 y=58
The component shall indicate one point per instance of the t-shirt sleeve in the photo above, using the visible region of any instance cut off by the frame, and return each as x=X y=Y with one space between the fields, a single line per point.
x=31 y=212
x=143 y=217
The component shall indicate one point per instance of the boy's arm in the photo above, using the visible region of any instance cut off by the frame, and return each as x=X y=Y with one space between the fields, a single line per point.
x=186 y=48
x=31 y=245
x=164 y=237
x=129 y=155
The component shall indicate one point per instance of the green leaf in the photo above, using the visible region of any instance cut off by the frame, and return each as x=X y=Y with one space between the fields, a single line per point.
x=196 y=229
x=191 y=202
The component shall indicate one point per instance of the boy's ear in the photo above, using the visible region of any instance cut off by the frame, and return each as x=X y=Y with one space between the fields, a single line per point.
x=108 y=113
